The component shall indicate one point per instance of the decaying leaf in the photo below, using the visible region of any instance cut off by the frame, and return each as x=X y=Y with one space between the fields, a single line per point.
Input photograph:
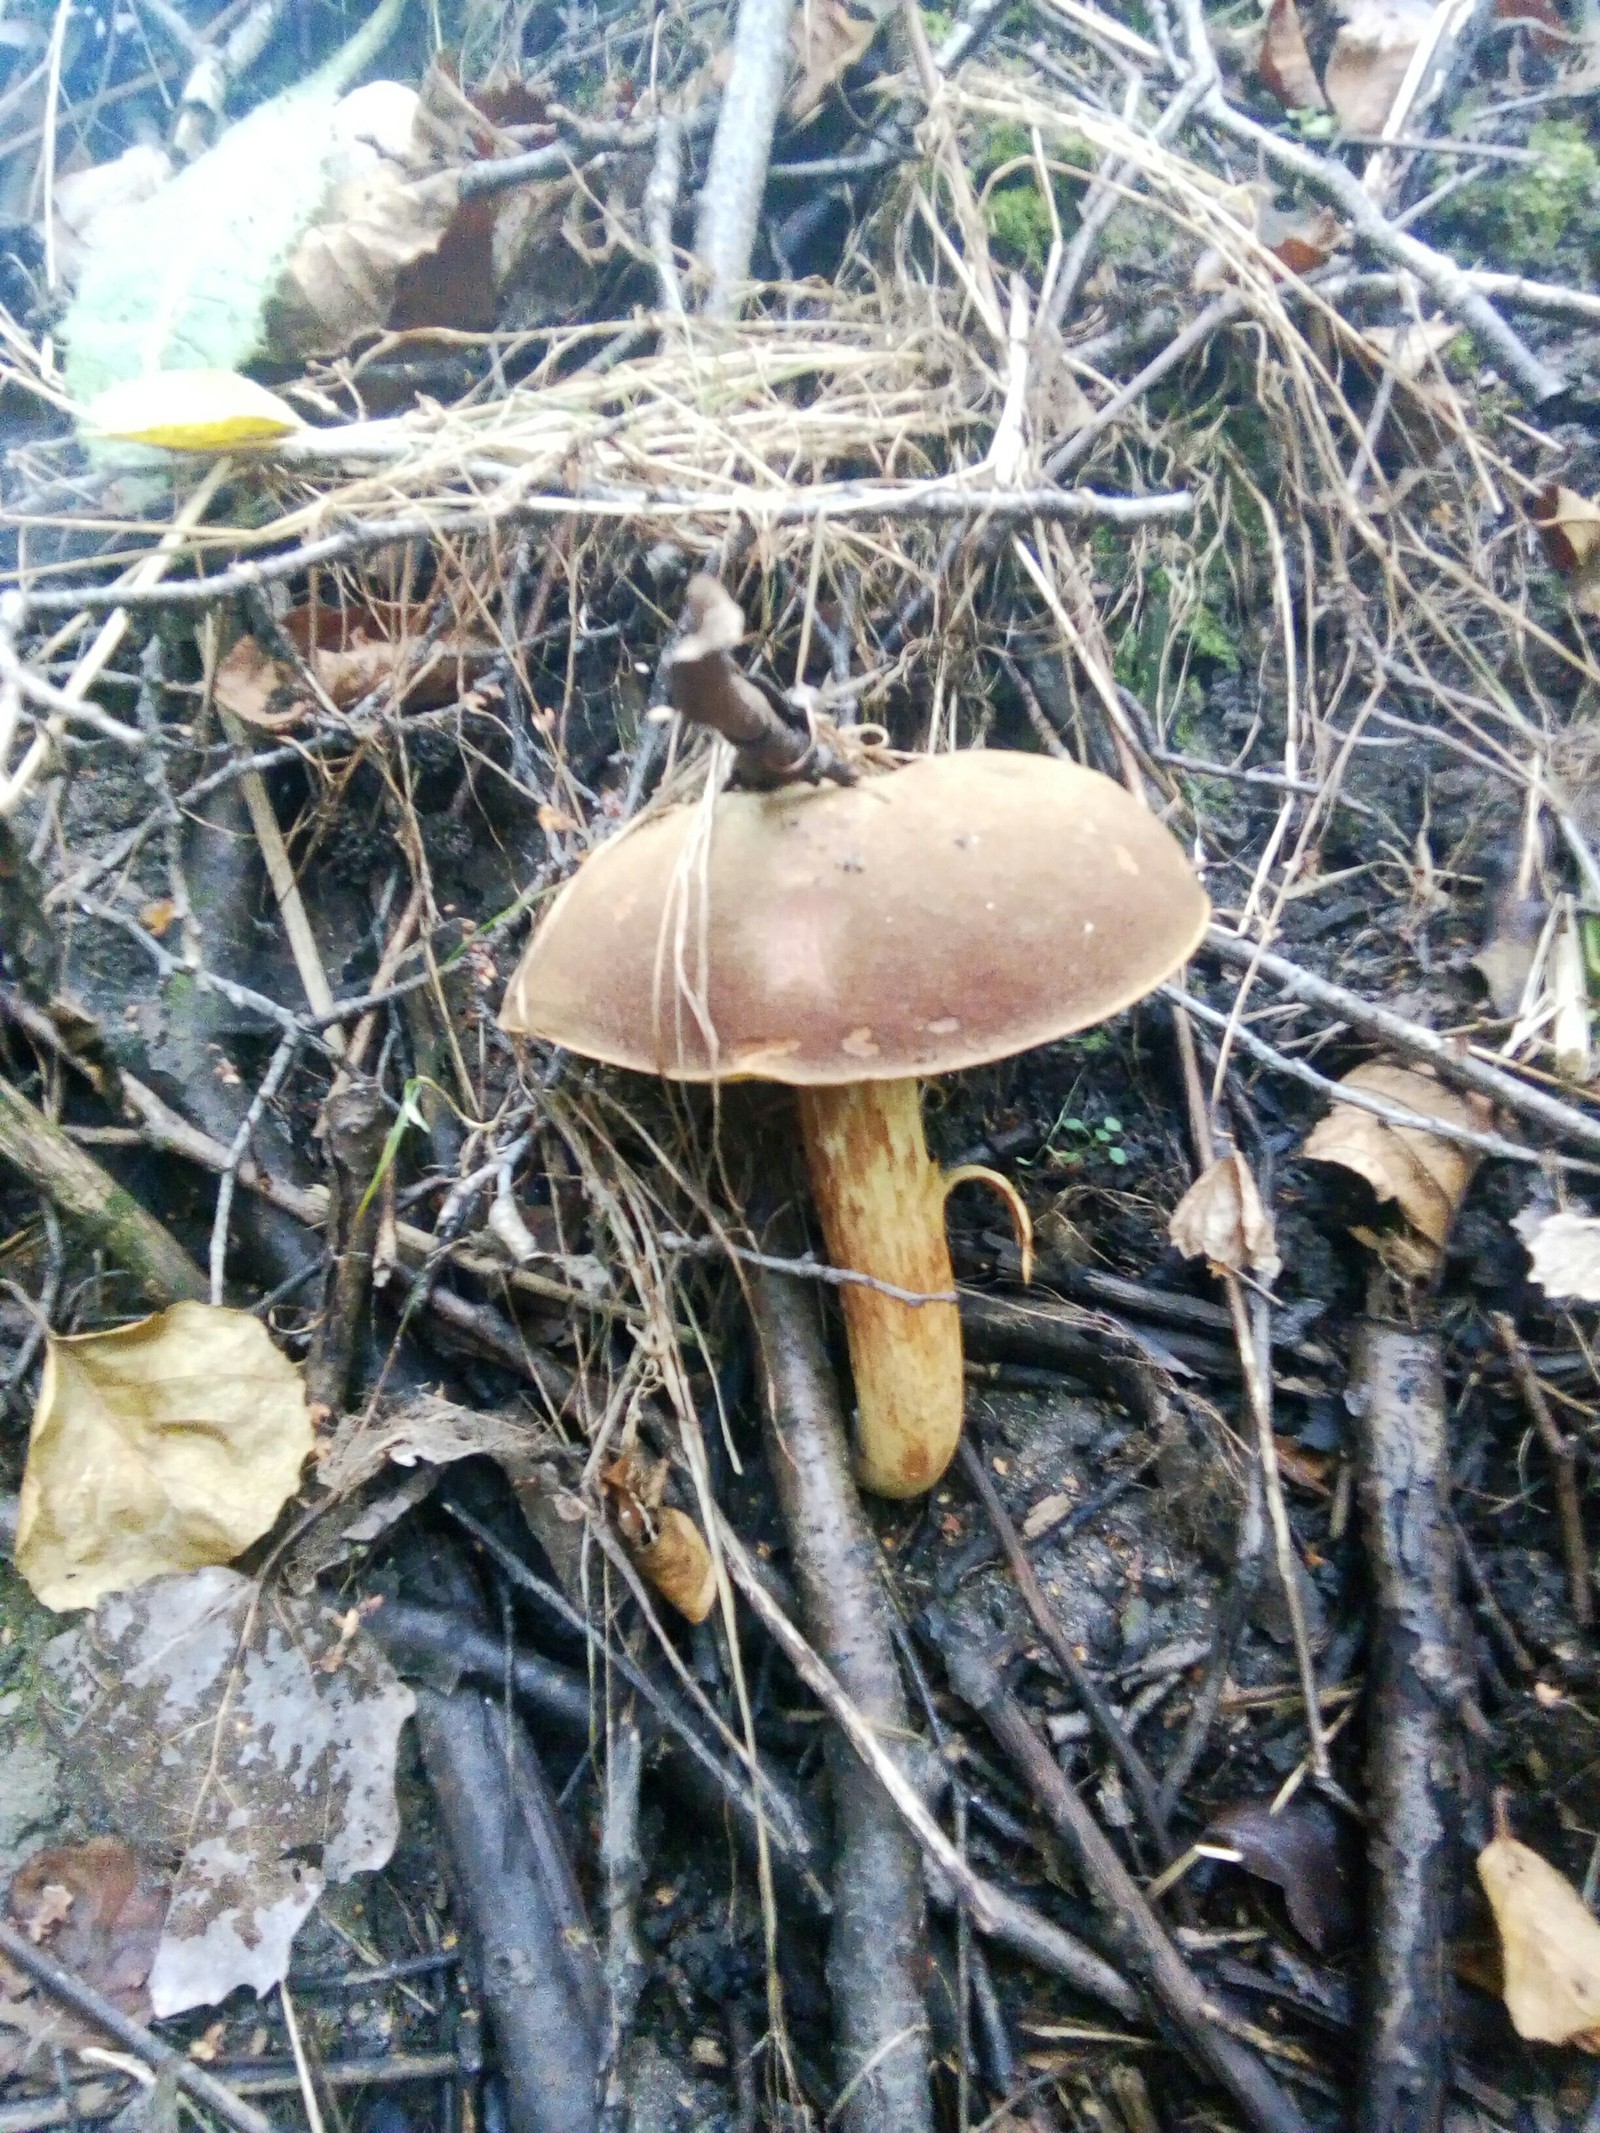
x=184 y=281
x=1565 y=1250
x=350 y=650
x=88 y=204
x=1369 y=60
x=161 y=1446
x=1302 y=1850
x=1569 y=529
x=203 y=1719
x=190 y=411
x=1285 y=64
x=432 y=1432
x=1550 y=1946
x=1425 y=1176
x=1221 y=1219
x=1409 y=349
x=97 y=1909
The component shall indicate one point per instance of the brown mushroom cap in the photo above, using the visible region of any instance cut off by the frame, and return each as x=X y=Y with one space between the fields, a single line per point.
x=967 y=907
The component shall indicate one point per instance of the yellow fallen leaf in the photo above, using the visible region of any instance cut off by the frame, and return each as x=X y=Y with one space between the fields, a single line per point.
x=166 y=1445
x=1221 y=1219
x=678 y=1563
x=1425 y=1176
x=190 y=411
x=1550 y=1945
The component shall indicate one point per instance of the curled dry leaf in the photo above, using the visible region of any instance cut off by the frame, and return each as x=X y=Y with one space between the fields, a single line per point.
x=1221 y=1219
x=828 y=38
x=1425 y=1176
x=1549 y=1943
x=666 y=1543
x=678 y=1563
x=351 y=651
x=1301 y=1850
x=163 y=1446
x=1565 y=1250
x=1569 y=532
x=1369 y=60
x=289 y=1719
x=1285 y=64
x=97 y=1909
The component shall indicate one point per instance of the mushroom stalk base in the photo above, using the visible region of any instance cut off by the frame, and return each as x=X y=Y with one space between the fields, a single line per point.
x=881 y=1203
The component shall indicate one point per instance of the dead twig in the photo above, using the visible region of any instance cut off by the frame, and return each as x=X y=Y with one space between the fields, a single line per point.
x=1564 y=1458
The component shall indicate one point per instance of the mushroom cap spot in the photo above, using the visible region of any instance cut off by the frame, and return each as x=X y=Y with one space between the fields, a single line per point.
x=991 y=907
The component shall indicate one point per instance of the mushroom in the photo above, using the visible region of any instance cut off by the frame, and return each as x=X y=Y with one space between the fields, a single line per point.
x=851 y=941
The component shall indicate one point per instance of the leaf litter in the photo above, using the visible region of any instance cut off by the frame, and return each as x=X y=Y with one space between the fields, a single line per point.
x=1350 y=672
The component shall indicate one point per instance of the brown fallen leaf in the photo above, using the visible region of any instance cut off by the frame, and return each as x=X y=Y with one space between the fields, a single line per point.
x=1565 y=1250
x=1550 y=1946
x=1425 y=1176
x=1569 y=532
x=97 y=1908
x=678 y=1563
x=1285 y=64
x=828 y=37
x=1221 y=1219
x=351 y=650
x=1369 y=59
x=1300 y=240
x=162 y=1446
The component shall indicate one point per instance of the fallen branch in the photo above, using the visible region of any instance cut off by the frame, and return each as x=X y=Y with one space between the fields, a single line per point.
x=1383 y=1024
x=1138 y=1934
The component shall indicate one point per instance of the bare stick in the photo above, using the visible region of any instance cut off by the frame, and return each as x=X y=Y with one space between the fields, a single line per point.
x=271 y=1082
x=660 y=204
x=741 y=149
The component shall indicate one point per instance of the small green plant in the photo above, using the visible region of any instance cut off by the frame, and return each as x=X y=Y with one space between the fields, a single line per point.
x=1072 y=1139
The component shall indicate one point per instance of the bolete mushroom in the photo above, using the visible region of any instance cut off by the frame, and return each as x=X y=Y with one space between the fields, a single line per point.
x=850 y=941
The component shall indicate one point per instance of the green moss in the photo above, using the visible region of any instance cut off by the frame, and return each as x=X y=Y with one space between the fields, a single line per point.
x=1535 y=212
x=937 y=21
x=1203 y=629
x=1019 y=223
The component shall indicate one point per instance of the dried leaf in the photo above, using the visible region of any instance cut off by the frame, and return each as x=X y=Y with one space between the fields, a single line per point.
x=286 y=1779
x=433 y=1432
x=678 y=1563
x=1285 y=64
x=1408 y=350
x=1565 y=1250
x=343 y=277
x=1426 y=1177
x=190 y=411
x=1550 y=1946
x=1369 y=60
x=1569 y=530
x=1301 y=1850
x=1221 y=1219
x=1301 y=240
x=97 y=1909
x=162 y=1446
x=351 y=651
x=828 y=38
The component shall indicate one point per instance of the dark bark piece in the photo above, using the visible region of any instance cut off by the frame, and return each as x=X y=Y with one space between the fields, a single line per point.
x=354 y=1124
x=1140 y=1939
x=877 y=1954
x=540 y=1975
x=1417 y=1689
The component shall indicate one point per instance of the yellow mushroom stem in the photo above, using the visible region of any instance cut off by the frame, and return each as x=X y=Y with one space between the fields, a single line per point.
x=881 y=1203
